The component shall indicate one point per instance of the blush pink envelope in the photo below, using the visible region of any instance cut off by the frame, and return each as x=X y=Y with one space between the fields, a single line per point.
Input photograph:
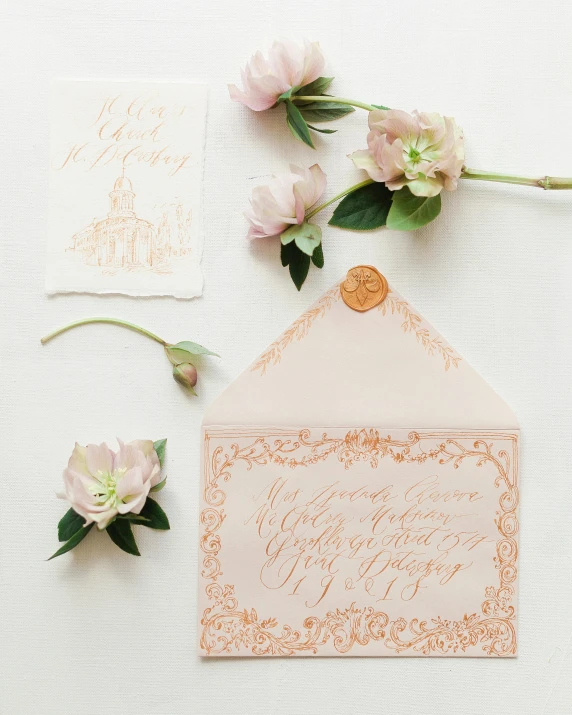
x=359 y=496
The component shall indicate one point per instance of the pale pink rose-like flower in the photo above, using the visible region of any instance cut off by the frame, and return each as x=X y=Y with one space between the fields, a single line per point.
x=288 y=65
x=423 y=151
x=284 y=201
x=101 y=483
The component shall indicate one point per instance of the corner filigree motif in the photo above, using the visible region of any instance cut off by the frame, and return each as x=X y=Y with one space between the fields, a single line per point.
x=227 y=628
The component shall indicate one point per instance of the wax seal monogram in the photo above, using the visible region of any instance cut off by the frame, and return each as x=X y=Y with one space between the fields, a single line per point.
x=364 y=288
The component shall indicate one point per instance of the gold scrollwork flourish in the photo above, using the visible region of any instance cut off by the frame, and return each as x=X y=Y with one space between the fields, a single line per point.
x=227 y=627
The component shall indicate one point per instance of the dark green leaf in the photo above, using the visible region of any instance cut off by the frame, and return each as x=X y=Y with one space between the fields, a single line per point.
x=318 y=257
x=324 y=111
x=286 y=252
x=73 y=541
x=120 y=533
x=297 y=125
x=409 y=212
x=323 y=131
x=318 y=86
x=364 y=209
x=157 y=519
x=69 y=524
x=379 y=106
x=299 y=267
x=160 y=446
x=158 y=487
x=134 y=518
x=306 y=236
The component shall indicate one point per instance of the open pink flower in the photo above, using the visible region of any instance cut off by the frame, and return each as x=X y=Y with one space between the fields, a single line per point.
x=423 y=151
x=101 y=483
x=288 y=65
x=284 y=201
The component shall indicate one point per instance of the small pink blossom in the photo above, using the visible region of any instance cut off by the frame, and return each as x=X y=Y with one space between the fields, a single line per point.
x=284 y=201
x=288 y=65
x=101 y=483
x=423 y=151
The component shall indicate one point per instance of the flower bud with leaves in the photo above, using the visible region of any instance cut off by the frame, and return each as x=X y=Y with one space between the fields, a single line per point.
x=179 y=354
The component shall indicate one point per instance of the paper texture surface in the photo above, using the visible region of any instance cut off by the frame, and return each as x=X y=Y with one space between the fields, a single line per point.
x=380 y=519
x=125 y=188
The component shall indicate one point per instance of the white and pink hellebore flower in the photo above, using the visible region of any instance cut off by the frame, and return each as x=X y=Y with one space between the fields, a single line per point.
x=100 y=483
x=288 y=65
x=284 y=201
x=423 y=151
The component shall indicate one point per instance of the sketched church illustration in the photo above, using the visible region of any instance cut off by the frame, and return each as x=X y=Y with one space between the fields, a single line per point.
x=123 y=240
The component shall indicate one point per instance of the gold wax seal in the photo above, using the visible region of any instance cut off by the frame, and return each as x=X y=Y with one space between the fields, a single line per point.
x=363 y=288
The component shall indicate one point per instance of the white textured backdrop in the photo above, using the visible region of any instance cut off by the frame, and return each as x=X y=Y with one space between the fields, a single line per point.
x=99 y=632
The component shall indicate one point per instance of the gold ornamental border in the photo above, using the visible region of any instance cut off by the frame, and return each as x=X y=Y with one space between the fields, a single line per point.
x=412 y=323
x=226 y=628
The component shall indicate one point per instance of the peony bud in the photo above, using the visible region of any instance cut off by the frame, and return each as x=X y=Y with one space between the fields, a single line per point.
x=186 y=375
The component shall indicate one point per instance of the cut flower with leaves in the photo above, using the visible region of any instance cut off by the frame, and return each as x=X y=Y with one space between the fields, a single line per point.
x=279 y=209
x=291 y=76
x=111 y=490
x=410 y=159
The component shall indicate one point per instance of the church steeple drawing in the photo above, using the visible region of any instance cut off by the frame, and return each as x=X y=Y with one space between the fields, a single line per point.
x=123 y=240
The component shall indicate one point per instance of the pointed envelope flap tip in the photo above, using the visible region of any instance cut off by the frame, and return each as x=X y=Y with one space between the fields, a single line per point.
x=386 y=367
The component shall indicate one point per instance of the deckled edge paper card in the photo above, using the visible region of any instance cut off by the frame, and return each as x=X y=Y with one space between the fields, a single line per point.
x=126 y=161
x=378 y=517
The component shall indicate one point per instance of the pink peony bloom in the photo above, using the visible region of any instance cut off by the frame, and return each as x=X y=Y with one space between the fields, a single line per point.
x=287 y=66
x=101 y=483
x=284 y=201
x=422 y=151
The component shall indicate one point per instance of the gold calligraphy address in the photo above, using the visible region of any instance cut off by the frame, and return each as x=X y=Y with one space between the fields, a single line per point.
x=227 y=628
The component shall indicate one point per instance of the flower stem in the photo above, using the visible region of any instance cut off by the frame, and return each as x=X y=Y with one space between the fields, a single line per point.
x=113 y=321
x=339 y=100
x=339 y=196
x=544 y=182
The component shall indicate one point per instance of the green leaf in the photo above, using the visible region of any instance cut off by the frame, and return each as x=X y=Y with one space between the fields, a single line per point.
x=318 y=86
x=157 y=519
x=409 y=212
x=286 y=251
x=159 y=486
x=364 y=209
x=306 y=235
x=185 y=351
x=134 y=518
x=324 y=111
x=297 y=125
x=285 y=96
x=70 y=523
x=120 y=533
x=73 y=541
x=299 y=267
x=379 y=106
x=318 y=257
x=160 y=445
x=322 y=131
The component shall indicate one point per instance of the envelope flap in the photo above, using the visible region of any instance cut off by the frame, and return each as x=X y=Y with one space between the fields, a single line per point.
x=338 y=367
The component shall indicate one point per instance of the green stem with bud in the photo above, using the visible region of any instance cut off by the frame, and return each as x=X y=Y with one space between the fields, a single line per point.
x=113 y=321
